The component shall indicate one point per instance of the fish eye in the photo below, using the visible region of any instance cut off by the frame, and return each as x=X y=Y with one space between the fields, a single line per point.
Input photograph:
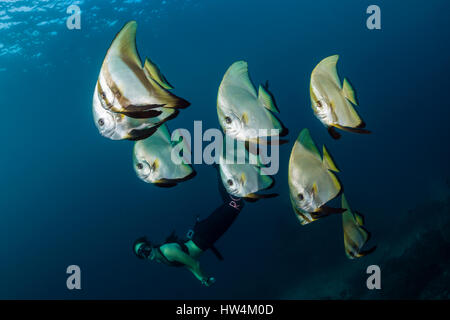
x=101 y=122
x=228 y=120
x=103 y=95
x=140 y=166
x=319 y=104
x=300 y=197
x=230 y=182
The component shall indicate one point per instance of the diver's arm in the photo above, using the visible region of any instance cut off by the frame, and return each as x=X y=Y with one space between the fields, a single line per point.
x=193 y=265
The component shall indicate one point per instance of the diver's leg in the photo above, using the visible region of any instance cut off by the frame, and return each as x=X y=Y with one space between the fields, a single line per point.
x=210 y=229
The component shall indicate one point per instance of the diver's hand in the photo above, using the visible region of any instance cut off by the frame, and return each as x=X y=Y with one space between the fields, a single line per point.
x=208 y=281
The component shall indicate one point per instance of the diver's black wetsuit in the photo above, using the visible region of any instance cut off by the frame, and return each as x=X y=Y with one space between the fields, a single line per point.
x=209 y=230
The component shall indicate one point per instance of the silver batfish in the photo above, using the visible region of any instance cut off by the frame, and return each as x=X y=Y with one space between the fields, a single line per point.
x=331 y=102
x=241 y=111
x=117 y=126
x=355 y=235
x=124 y=86
x=152 y=160
x=243 y=179
x=311 y=182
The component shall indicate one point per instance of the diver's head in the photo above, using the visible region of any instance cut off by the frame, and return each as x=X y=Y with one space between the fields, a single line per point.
x=143 y=249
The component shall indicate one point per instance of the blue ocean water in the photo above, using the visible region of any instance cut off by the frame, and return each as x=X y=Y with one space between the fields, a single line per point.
x=69 y=196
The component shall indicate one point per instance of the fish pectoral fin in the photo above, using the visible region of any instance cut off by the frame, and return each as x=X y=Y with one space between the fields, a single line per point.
x=348 y=92
x=315 y=189
x=151 y=70
x=266 y=99
x=242 y=179
x=244 y=118
x=328 y=161
x=155 y=165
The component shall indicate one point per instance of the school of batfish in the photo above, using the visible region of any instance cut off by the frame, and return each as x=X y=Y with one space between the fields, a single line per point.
x=135 y=102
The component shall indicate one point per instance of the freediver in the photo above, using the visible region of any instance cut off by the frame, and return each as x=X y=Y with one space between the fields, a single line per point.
x=179 y=253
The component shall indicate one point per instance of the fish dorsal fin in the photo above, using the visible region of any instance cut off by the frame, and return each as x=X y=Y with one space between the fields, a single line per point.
x=307 y=142
x=163 y=132
x=348 y=92
x=328 y=161
x=328 y=67
x=237 y=75
x=125 y=44
x=266 y=100
x=151 y=70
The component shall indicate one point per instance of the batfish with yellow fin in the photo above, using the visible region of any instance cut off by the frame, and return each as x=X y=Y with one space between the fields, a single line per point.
x=355 y=235
x=153 y=163
x=333 y=103
x=242 y=178
x=311 y=180
x=117 y=126
x=242 y=111
x=124 y=86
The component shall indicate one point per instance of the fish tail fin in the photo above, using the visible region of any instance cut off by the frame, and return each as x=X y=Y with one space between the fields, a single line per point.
x=328 y=161
x=266 y=99
x=348 y=92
